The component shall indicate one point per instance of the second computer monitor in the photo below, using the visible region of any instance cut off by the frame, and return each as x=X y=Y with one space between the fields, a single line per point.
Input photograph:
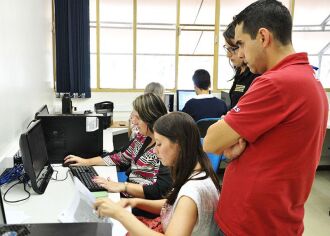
x=34 y=156
x=182 y=96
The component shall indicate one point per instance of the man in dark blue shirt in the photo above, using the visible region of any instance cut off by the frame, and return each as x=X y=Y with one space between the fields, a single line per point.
x=205 y=105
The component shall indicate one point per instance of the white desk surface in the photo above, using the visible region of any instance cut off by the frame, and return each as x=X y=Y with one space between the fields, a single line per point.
x=45 y=208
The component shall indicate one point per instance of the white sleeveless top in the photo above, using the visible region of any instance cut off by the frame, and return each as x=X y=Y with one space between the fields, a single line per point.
x=206 y=196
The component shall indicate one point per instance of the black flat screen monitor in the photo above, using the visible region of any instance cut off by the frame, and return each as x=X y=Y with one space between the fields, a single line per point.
x=34 y=157
x=169 y=100
x=182 y=96
x=80 y=135
x=226 y=98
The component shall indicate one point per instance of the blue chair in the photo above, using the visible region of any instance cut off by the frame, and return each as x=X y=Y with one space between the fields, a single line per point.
x=203 y=125
x=122 y=177
x=215 y=159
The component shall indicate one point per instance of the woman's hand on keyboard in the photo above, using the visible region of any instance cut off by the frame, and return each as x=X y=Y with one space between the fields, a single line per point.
x=75 y=161
x=109 y=185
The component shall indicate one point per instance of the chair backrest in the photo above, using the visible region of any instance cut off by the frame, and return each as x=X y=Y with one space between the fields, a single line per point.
x=215 y=159
x=122 y=177
x=203 y=125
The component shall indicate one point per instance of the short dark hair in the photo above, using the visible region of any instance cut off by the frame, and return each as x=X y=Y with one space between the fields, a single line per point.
x=180 y=128
x=149 y=107
x=270 y=14
x=202 y=79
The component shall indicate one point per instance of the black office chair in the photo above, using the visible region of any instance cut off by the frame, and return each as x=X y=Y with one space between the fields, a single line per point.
x=203 y=125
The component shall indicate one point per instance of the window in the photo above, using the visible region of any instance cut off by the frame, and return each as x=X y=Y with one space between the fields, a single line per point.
x=136 y=42
x=155 y=43
x=196 y=47
x=311 y=34
x=116 y=47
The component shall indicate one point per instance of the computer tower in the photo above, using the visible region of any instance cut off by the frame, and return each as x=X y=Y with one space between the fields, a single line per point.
x=80 y=135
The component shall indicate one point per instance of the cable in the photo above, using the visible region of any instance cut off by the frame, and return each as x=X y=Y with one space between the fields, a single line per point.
x=21 y=180
x=66 y=176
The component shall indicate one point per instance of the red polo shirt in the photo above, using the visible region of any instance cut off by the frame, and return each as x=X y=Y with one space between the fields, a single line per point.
x=283 y=117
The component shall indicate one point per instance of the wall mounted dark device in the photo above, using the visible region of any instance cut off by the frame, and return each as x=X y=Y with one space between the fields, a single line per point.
x=106 y=109
x=34 y=156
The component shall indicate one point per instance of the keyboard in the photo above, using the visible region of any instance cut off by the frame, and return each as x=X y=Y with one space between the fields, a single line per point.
x=85 y=174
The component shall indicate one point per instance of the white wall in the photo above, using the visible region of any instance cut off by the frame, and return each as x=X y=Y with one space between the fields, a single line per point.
x=25 y=66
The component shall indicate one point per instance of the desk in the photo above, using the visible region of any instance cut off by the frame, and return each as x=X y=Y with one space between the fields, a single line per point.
x=46 y=207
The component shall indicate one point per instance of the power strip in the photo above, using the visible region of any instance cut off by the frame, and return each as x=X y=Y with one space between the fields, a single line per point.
x=11 y=174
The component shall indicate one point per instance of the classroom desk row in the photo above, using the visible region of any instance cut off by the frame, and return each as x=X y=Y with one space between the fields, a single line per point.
x=46 y=207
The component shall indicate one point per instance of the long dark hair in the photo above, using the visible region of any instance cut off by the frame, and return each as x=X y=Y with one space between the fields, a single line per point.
x=229 y=35
x=180 y=128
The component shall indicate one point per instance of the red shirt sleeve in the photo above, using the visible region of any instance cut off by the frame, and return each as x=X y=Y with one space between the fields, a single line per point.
x=258 y=111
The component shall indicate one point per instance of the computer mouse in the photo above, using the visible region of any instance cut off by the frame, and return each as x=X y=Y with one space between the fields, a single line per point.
x=67 y=164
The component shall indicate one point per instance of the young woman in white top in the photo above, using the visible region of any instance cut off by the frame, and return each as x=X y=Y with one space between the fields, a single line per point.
x=189 y=207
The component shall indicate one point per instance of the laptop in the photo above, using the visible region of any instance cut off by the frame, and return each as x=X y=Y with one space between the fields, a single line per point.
x=52 y=229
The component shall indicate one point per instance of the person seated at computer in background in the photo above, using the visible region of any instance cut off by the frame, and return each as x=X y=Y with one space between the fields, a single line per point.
x=243 y=76
x=205 y=105
x=147 y=177
x=153 y=87
x=188 y=208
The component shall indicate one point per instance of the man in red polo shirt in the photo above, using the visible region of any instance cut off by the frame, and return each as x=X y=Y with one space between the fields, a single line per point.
x=274 y=135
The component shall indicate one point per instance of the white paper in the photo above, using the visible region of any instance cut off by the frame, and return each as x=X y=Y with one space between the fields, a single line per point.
x=16 y=217
x=92 y=124
x=81 y=207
